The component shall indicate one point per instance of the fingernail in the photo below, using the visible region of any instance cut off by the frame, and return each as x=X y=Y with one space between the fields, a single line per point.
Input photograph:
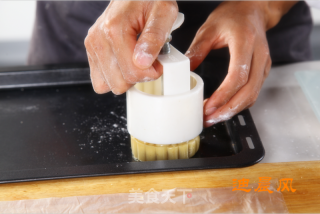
x=144 y=59
x=210 y=110
x=116 y=92
x=211 y=122
x=205 y=101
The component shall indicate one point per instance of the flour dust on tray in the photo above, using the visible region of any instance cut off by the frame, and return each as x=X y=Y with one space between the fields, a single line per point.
x=111 y=128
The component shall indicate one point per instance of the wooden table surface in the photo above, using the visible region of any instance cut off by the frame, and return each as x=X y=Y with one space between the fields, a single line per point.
x=306 y=181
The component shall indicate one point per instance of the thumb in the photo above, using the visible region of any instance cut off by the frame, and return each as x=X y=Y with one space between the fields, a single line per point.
x=155 y=33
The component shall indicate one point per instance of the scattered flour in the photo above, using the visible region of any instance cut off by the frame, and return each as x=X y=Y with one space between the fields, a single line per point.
x=14 y=109
x=104 y=130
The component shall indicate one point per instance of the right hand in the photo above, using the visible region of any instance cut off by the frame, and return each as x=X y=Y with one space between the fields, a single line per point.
x=117 y=60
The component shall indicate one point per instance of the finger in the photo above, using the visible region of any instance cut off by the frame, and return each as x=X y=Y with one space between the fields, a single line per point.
x=157 y=29
x=115 y=79
x=123 y=45
x=246 y=96
x=243 y=99
x=226 y=112
x=268 y=67
x=113 y=75
x=110 y=68
x=237 y=77
x=265 y=75
x=98 y=81
x=200 y=47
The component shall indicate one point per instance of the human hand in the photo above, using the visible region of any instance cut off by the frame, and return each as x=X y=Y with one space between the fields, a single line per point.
x=242 y=27
x=117 y=60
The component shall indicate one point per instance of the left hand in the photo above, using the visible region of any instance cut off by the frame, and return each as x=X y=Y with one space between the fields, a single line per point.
x=242 y=27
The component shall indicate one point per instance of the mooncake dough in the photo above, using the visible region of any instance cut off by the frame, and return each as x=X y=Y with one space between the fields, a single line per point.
x=143 y=151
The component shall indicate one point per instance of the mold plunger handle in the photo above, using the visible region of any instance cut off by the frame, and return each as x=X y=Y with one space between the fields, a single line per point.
x=166 y=47
x=178 y=22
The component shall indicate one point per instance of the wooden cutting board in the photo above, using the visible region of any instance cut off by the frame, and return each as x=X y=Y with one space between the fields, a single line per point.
x=305 y=175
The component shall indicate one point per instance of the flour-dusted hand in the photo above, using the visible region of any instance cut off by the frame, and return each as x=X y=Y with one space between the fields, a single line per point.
x=242 y=27
x=117 y=59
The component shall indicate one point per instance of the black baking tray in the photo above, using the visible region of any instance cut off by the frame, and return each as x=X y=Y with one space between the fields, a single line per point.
x=53 y=125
